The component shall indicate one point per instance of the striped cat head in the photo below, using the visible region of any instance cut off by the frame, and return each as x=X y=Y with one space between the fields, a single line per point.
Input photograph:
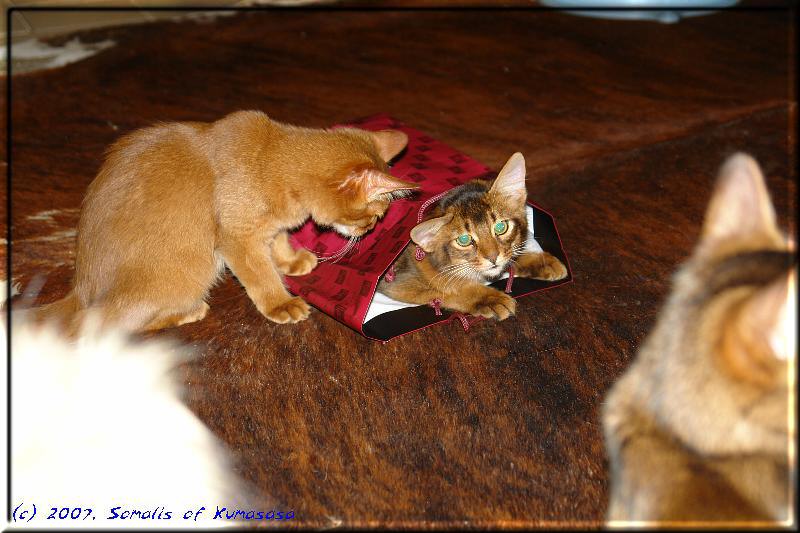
x=726 y=341
x=478 y=228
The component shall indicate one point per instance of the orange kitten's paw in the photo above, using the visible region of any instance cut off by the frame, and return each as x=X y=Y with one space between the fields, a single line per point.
x=496 y=304
x=290 y=311
x=303 y=263
x=541 y=266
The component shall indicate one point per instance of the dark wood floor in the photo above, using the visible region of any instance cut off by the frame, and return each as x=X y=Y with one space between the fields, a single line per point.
x=623 y=125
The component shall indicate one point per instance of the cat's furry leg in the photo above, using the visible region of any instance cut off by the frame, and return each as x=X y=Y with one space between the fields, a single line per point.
x=147 y=310
x=60 y=313
x=249 y=257
x=169 y=319
x=290 y=261
x=480 y=300
x=145 y=298
x=540 y=265
x=470 y=298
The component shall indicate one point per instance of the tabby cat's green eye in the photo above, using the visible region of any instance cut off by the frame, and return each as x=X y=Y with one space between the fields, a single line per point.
x=501 y=227
x=464 y=240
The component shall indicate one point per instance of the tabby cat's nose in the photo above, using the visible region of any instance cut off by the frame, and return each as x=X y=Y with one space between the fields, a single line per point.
x=492 y=258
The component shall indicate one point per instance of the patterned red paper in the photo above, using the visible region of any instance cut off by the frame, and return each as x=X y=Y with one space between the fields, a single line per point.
x=344 y=289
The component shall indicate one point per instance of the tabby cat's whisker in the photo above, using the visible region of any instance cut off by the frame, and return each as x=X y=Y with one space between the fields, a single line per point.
x=467 y=274
x=518 y=249
x=450 y=269
x=461 y=273
x=449 y=272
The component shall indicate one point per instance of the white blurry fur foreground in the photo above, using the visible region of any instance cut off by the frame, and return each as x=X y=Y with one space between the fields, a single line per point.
x=100 y=424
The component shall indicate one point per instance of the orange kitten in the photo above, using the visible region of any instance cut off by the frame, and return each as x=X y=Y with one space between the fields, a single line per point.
x=175 y=203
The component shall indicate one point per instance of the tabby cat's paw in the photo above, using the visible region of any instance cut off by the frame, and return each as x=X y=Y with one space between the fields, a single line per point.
x=541 y=266
x=496 y=304
x=292 y=310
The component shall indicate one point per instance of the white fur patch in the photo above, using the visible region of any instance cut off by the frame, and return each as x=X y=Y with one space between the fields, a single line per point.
x=56 y=236
x=341 y=229
x=47 y=216
x=100 y=424
x=45 y=56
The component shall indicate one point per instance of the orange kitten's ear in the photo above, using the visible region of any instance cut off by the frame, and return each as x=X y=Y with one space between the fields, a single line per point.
x=740 y=204
x=509 y=185
x=763 y=331
x=389 y=143
x=424 y=233
x=377 y=184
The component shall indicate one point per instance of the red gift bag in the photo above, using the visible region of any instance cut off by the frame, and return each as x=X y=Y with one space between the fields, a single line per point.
x=344 y=287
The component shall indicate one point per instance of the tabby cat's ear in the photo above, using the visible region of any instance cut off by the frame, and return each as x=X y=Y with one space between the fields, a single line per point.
x=424 y=233
x=389 y=143
x=763 y=332
x=509 y=185
x=740 y=204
